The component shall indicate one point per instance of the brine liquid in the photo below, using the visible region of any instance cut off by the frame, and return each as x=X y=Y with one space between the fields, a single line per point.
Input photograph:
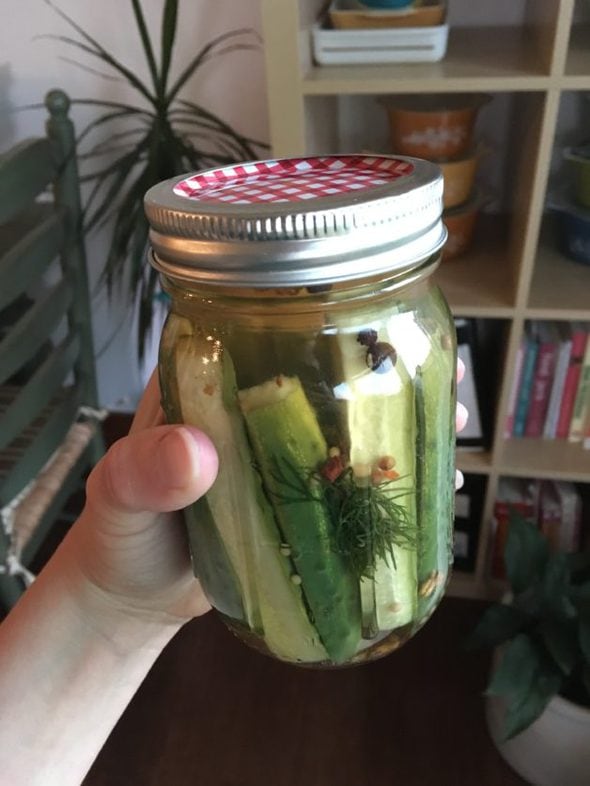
x=327 y=536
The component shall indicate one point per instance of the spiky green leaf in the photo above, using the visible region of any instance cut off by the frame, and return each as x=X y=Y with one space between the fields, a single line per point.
x=96 y=50
x=202 y=56
x=168 y=37
x=146 y=42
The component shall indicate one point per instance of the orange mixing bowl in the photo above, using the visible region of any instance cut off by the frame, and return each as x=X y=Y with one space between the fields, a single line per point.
x=433 y=126
x=460 y=223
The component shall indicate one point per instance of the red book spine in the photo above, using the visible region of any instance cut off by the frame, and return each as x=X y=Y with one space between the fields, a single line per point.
x=541 y=391
x=572 y=379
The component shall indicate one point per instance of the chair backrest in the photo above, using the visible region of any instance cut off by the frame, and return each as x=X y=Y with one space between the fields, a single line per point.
x=43 y=379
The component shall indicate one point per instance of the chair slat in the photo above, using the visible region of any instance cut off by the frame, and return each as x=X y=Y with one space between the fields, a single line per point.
x=39 y=390
x=30 y=255
x=72 y=483
x=25 y=172
x=33 y=329
x=40 y=447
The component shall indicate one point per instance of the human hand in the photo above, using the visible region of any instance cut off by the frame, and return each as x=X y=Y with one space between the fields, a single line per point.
x=129 y=545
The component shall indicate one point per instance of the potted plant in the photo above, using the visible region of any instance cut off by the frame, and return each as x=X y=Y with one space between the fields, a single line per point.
x=162 y=135
x=538 y=697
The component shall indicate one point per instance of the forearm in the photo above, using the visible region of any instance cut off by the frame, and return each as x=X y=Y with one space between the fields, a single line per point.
x=67 y=672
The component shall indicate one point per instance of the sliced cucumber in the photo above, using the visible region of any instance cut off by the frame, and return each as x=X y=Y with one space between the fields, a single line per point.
x=241 y=515
x=381 y=423
x=289 y=447
x=434 y=402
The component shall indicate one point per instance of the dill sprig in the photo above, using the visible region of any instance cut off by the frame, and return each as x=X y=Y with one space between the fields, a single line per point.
x=368 y=521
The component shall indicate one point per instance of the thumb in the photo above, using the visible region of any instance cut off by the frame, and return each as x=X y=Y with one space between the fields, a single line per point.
x=157 y=470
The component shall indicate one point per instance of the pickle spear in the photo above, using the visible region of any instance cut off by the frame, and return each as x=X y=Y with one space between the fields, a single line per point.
x=434 y=477
x=289 y=446
x=381 y=427
x=240 y=513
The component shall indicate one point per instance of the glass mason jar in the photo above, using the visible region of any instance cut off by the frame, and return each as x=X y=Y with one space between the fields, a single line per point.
x=307 y=339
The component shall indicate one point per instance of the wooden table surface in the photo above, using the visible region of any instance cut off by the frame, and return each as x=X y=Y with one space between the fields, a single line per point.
x=214 y=713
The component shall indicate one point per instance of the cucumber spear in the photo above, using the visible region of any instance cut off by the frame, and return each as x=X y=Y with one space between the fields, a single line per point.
x=381 y=428
x=289 y=447
x=242 y=517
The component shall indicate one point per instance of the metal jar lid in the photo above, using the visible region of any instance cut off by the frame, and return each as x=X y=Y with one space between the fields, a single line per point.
x=297 y=221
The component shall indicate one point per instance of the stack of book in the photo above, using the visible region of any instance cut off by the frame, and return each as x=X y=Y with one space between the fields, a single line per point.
x=555 y=507
x=550 y=395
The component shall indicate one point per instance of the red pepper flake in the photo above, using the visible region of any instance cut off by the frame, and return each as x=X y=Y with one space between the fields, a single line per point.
x=279 y=382
x=209 y=389
x=332 y=469
x=377 y=477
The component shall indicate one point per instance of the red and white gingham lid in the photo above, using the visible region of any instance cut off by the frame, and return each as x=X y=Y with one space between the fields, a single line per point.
x=292 y=179
x=296 y=221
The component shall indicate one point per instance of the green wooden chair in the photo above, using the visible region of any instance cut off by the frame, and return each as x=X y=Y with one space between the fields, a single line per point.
x=49 y=425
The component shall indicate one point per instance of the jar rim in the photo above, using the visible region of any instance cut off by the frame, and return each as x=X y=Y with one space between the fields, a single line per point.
x=385 y=214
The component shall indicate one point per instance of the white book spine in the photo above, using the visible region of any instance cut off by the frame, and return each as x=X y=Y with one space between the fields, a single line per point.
x=561 y=368
x=508 y=428
x=570 y=516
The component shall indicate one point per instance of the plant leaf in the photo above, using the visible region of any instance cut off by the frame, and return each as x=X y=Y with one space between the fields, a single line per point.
x=111 y=104
x=247 y=144
x=517 y=667
x=200 y=57
x=215 y=131
x=525 y=555
x=106 y=118
x=169 y=21
x=498 y=624
x=146 y=42
x=87 y=69
x=122 y=168
x=96 y=50
x=560 y=639
x=527 y=680
x=66 y=39
x=555 y=587
x=528 y=704
x=107 y=146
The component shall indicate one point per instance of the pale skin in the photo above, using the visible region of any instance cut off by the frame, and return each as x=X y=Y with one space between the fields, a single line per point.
x=83 y=637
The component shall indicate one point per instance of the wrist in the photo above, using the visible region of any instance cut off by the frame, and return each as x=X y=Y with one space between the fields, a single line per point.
x=85 y=657
x=117 y=623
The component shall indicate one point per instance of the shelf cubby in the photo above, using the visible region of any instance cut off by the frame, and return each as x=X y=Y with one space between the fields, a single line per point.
x=532 y=57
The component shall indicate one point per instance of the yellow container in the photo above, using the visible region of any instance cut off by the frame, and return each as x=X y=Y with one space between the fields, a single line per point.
x=459 y=176
x=430 y=14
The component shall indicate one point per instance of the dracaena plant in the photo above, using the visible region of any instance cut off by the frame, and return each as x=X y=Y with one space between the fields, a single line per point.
x=543 y=630
x=162 y=135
